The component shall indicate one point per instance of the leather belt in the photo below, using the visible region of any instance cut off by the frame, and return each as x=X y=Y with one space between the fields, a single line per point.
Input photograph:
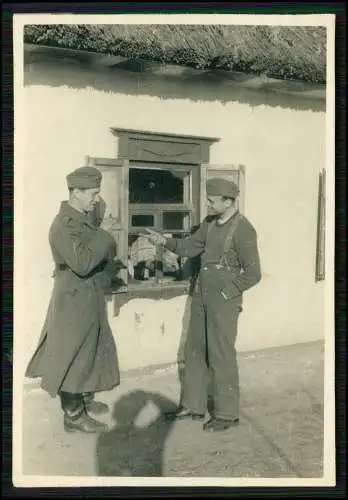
x=62 y=267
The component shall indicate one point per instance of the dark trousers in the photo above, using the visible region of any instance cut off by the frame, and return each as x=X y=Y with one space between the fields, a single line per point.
x=210 y=352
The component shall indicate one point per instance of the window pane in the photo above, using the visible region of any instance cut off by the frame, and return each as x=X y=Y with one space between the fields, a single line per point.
x=157 y=186
x=143 y=220
x=174 y=220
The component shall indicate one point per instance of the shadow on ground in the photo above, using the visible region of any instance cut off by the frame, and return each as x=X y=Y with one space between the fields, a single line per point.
x=136 y=445
x=280 y=434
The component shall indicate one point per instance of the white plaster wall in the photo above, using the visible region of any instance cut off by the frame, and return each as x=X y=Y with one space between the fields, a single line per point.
x=68 y=113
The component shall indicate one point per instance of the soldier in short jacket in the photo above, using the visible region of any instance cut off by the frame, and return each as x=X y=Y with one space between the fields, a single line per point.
x=216 y=304
x=76 y=354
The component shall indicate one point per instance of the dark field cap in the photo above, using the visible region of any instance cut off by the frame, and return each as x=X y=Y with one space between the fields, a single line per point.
x=222 y=187
x=84 y=178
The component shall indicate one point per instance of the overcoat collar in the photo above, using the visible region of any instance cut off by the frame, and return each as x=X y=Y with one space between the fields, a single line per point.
x=66 y=209
x=230 y=219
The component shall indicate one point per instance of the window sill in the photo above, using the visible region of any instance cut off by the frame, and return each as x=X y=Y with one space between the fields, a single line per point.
x=151 y=286
x=152 y=291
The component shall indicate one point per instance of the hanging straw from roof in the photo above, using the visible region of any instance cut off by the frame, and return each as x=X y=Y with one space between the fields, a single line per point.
x=285 y=52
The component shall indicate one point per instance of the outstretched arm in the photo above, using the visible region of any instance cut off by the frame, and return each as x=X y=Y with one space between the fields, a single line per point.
x=190 y=247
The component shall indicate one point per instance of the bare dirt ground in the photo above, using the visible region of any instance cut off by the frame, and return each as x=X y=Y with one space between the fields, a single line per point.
x=280 y=434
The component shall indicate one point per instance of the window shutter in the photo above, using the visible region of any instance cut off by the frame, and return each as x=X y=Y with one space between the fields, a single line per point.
x=235 y=173
x=114 y=190
x=320 y=253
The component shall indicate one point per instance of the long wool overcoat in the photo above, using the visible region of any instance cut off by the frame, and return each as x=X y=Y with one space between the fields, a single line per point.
x=76 y=351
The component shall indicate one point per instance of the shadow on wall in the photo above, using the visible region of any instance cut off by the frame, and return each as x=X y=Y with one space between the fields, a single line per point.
x=47 y=71
x=135 y=447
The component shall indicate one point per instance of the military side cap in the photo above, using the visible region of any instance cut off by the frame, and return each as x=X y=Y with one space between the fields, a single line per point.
x=222 y=187
x=84 y=178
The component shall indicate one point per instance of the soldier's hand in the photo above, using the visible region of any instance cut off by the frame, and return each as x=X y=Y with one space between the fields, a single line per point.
x=108 y=224
x=154 y=237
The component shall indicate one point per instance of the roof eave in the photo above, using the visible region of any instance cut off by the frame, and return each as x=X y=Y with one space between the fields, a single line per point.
x=233 y=78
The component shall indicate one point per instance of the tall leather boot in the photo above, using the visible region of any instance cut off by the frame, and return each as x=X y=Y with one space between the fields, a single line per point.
x=76 y=417
x=92 y=406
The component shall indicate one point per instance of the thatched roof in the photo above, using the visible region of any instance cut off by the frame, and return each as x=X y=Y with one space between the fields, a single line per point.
x=283 y=52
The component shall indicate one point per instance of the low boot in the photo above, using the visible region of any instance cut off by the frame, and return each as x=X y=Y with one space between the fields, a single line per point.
x=83 y=423
x=92 y=406
x=182 y=413
x=219 y=424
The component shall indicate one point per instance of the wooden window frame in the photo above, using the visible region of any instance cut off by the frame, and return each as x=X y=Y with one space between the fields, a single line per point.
x=190 y=203
x=148 y=149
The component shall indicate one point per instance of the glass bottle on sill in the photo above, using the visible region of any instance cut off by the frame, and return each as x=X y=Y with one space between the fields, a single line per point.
x=158 y=268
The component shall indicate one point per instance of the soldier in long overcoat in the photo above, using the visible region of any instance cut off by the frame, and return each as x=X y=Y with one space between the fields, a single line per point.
x=76 y=354
x=227 y=245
